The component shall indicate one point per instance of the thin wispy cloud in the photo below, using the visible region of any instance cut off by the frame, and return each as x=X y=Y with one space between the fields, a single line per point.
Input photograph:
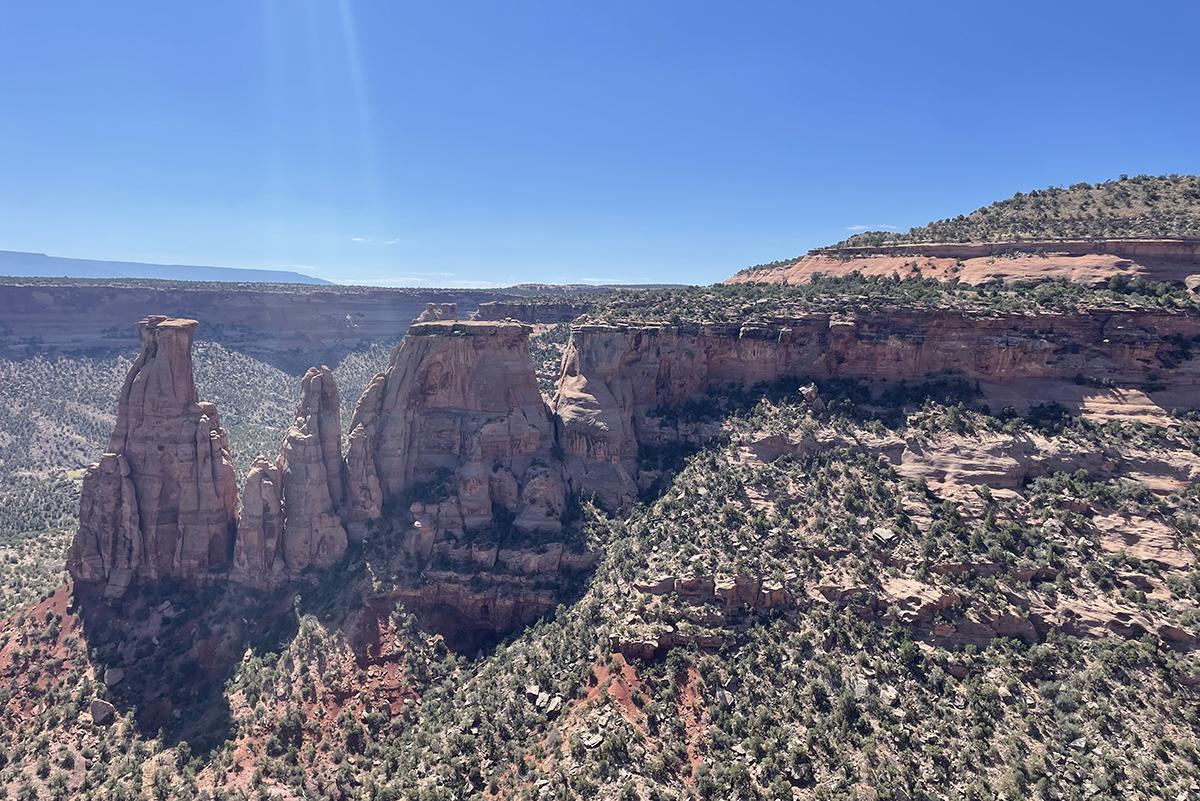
x=872 y=228
x=367 y=239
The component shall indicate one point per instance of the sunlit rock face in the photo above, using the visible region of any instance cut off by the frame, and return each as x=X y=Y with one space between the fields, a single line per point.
x=457 y=427
x=162 y=500
x=311 y=471
x=614 y=375
x=291 y=509
x=1093 y=262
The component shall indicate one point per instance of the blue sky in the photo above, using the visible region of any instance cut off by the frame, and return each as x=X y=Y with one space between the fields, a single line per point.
x=453 y=144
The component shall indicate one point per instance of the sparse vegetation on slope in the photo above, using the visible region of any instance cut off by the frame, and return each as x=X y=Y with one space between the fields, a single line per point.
x=828 y=590
x=546 y=345
x=749 y=303
x=1141 y=207
x=941 y=632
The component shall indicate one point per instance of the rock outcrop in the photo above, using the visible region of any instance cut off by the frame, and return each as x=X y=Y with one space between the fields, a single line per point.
x=1092 y=262
x=290 y=327
x=613 y=375
x=437 y=311
x=454 y=453
x=456 y=427
x=310 y=467
x=290 y=518
x=162 y=501
x=532 y=311
x=257 y=557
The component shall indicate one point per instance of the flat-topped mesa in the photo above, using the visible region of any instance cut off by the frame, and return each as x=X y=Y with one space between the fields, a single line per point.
x=456 y=427
x=162 y=500
x=614 y=376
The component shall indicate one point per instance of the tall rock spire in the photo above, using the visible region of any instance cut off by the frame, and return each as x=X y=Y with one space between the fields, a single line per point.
x=162 y=500
x=310 y=467
x=257 y=555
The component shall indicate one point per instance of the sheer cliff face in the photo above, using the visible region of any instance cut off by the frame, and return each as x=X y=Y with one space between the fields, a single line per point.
x=162 y=500
x=458 y=407
x=292 y=329
x=454 y=435
x=613 y=375
x=457 y=410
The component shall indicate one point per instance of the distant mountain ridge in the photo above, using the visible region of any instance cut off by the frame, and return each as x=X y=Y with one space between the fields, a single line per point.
x=41 y=265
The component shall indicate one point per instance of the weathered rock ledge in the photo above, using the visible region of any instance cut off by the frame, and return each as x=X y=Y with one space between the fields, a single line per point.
x=614 y=375
x=1091 y=262
x=532 y=311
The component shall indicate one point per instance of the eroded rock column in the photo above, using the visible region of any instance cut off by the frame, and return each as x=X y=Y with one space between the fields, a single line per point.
x=162 y=500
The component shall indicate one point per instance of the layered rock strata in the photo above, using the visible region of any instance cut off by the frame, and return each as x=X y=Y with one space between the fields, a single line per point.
x=454 y=452
x=613 y=375
x=290 y=519
x=1092 y=262
x=162 y=500
x=456 y=428
x=291 y=328
x=313 y=482
x=257 y=554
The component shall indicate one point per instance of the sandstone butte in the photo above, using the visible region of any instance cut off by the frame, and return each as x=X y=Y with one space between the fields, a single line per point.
x=1089 y=262
x=457 y=423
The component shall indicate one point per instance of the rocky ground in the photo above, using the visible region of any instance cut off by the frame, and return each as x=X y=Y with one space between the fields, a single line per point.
x=935 y=543
x=849 y=590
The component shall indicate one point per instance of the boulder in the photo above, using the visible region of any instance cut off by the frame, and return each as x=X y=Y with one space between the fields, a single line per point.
x=102 y=712
x=438 y=311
